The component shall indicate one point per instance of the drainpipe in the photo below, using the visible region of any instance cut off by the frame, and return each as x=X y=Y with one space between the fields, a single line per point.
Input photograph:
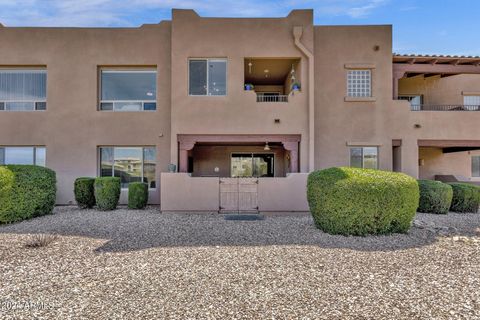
x=297 y=34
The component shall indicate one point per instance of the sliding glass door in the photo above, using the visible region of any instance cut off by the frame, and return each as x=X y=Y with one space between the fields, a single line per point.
x=252 y=165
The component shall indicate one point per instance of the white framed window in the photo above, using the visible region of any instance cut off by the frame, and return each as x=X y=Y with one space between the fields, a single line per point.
x=23 y=89
x=364 y=157
x=23 y=155
x=130 y=164
x=475 y=166
x=207 y=77
x=128 y=90
x=359 y=83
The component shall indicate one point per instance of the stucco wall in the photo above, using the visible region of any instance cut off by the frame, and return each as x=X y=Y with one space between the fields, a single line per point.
x=71 y=128
x=338 y=122
x=283 y=194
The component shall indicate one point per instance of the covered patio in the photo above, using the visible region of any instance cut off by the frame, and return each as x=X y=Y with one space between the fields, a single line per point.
x=449 y=160
x=238 y=155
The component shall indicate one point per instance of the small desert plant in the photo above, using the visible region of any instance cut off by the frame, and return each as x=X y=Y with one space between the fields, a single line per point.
x=40 y=240
x=466 y=197
x=137 y=195
x=107 y=192
x=84 y=192
x=435 y=196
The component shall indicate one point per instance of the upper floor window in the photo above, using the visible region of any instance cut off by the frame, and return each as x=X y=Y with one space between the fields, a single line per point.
x=23 y=90
x=128 y=90
x=23 y=155
x=130 y=164
x=207 y=77
x=476 y=166
x=359 y=83
x=364 y=157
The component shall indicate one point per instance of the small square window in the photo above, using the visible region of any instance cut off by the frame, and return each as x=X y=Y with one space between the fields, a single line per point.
x=359 y=83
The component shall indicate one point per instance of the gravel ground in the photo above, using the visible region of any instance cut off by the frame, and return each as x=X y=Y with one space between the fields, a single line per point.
x=131 y=264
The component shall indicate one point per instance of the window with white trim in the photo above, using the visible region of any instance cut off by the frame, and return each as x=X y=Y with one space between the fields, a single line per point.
x=130 y=164
x=23 y=90
x=23 y=155
x=476 y=166
x=128 y=90
x=364 y=157
x=359 y=83
x=207 y=77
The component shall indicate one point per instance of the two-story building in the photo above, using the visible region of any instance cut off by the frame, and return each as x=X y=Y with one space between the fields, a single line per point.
x=231 y=114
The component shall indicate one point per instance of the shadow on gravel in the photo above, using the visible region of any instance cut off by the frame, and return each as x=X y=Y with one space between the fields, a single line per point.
x=129 y=230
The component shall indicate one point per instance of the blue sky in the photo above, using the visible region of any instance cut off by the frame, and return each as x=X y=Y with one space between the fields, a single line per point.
x=420 y=26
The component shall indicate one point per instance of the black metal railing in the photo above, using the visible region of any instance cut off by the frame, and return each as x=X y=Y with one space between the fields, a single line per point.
x=272 y=98
x=444 y=107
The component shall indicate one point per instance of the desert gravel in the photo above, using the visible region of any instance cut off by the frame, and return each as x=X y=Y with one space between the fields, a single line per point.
x=129 y=264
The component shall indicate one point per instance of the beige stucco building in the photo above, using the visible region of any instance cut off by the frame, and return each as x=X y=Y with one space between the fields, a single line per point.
x=241 y=109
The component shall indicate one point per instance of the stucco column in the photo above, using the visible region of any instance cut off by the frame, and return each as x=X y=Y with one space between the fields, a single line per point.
x=293 y=148
x=397 y=75
x=184 y=147
x=409 y=157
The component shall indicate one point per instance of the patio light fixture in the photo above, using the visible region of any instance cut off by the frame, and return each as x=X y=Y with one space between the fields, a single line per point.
x=267 y=147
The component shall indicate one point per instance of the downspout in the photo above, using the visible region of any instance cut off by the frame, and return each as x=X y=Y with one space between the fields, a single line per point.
x=297 y=34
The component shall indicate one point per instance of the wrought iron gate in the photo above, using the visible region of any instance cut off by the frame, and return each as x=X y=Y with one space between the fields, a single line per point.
x=238 y=195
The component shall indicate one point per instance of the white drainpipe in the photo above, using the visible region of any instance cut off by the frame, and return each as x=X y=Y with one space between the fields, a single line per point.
x=297 y=34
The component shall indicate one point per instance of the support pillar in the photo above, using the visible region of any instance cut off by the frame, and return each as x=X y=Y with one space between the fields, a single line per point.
x=293 y=148
x=397 y=75
x=184 y=147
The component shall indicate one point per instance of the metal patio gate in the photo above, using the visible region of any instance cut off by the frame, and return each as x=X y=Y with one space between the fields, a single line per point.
x=238 y=195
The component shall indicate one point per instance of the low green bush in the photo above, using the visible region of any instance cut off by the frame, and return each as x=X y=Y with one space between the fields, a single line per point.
x=352 y=201
x=107 y=192
x=466 y=197
x=435 y=196
x=25 y=192
x=137 y=195
x=84 y=190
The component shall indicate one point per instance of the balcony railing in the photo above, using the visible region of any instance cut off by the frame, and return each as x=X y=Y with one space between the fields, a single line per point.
x=272 y=98
x=444 y=107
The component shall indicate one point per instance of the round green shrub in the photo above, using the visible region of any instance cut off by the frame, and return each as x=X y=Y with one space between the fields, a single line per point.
x=26 y=191
x=352 y=201
x=435 y=196
x=107 y=192
x=466 y=197
x=84 y=190
x=137 y=195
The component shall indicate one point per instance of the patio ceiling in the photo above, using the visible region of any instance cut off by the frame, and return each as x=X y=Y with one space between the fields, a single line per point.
x=268 y=71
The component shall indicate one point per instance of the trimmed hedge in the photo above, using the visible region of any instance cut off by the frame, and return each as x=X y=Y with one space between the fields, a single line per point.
x=435 y=196
x=84 y=190
x=466 y=197
x=107 y=192
x=26 y=191
x=353 y=201
x=137 y=195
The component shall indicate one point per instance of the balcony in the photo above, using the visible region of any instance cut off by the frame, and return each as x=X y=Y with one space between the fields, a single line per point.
x=444 y=107
x=272 y=79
